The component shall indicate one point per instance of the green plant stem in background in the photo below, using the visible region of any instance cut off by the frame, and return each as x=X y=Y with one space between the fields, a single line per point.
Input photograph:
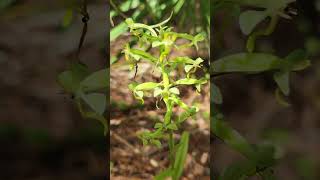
x=117 y=9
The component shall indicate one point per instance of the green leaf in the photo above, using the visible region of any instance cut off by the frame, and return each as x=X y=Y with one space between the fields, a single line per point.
x=96 y=81
x=156 y=142
x=160 y=43
x=198 y=87
x=185 y=115
x=67 y=18
x=174 y=90
x=152 y=135
x=178 y=6
x=187 y=68
x=190 y=81
x=264 y=156
x=143 y=55
x=139 y=95
x=172 y=126
x=280 y=98
x=79 y=70
x=157 y=91
x=179 y=102
x=282 y=80
x=158 y=125
x=199 y=37
x=187 y=62
x=118 y=30
x=301 y=65
x=231 y=137
x=216 y=95
x=239 y=171
x=113 y=59
x=146 y=86
x=246 y=62
x=164 y=174
x=180 y=157
x=297 y=55
x=93 y=115
x=96 y=101
x=66 y=81
x=70 y=79
x=133 y=26
x=198 y=61
x=250 y=19
x=297 y=60
x=184 y=60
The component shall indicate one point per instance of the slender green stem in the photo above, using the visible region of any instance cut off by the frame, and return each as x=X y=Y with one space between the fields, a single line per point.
x=252 y=39
x=167 y=118
x=171 y=149
x=168 y=121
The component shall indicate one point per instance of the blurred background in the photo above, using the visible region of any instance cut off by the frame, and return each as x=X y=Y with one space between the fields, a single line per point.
x=250 y=106
x=42 y=135
x=129 y=159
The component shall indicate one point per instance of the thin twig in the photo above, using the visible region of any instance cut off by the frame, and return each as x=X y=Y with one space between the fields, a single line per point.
x=123 y=141
x=136 y=70
x=85 y=20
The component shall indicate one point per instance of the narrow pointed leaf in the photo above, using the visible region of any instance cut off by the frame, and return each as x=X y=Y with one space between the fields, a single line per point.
x=181 y=156
x=250 y=19
x=282 y=80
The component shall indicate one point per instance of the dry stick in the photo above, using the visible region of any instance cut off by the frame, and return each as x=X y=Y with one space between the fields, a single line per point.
x=136 y=70
x=85 y=20
x=120 y=139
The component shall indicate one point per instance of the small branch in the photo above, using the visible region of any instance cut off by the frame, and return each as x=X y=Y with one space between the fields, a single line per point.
x=85 y=20
x=123 y=141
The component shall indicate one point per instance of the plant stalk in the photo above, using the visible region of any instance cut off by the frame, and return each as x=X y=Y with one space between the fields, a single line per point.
x=167 y=118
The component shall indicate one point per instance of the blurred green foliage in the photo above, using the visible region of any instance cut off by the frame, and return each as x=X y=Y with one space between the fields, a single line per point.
x=6 y=3
x=256 y=18
x=190 y=16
